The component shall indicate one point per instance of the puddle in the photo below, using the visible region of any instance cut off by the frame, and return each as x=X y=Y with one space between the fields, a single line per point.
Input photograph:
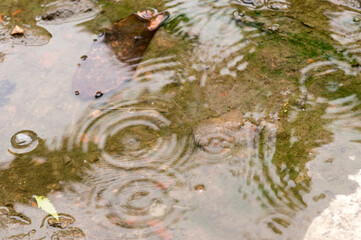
x=235 y=119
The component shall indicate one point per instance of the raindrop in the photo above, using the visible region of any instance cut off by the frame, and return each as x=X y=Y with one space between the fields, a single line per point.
x=23 y=142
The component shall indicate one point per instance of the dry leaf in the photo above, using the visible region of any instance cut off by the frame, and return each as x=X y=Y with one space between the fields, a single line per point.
x=17 y=31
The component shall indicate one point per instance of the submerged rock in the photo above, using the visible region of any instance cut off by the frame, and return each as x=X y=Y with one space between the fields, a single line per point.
x=114 y=56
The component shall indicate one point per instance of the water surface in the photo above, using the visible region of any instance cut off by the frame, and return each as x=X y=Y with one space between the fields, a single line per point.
x=242 y=121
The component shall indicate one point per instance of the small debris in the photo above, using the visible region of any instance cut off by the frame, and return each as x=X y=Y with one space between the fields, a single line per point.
x=274 y=28
x=310 y=61
x=77 y=93
x=352 y=158
x=17 y=31
x=319 y=197
x=98 y=94
x=200 y=188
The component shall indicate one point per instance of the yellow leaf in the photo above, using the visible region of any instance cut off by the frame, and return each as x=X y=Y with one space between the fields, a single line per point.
x=46 y=205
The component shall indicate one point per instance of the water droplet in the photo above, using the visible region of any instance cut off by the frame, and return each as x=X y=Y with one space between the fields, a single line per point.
x=24 y=141
x=98 y=94
x=200 y=188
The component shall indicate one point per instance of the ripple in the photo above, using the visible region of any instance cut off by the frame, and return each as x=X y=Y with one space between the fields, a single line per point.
x=248 y=147
x=345 y=26
x=11 y=219
x=33 y=36
x=221 y=43
x=133 y=134
x=355 y=4
x=318 y=70
x=277 y=221
x=63 y=11
x=71 y=233
x=265 y=4
x=64 y=221
x=220 y=138
x=142 y=202
x=23 y=142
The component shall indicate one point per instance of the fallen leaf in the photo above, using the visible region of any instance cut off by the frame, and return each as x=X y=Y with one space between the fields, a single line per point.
x=16 y=12
x=156 y=21
x=310 y=61
x=1 y=18
x=46 y=205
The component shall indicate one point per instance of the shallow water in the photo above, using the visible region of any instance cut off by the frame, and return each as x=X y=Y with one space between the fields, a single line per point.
x=242 y=121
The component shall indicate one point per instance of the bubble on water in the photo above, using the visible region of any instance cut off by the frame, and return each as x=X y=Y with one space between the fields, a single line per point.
x=23 y=142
